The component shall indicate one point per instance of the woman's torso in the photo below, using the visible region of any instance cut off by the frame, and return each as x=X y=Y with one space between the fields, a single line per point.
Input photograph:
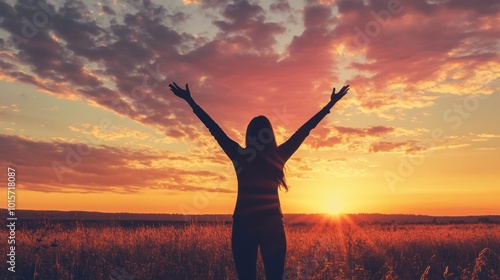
x=258 y=189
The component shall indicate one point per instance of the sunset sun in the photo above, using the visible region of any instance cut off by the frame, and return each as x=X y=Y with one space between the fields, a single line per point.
x=334 y=207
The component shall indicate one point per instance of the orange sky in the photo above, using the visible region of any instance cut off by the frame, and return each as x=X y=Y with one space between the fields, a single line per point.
x=88 y=122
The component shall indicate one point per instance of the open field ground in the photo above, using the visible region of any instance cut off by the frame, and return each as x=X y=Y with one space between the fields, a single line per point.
x=202 y=251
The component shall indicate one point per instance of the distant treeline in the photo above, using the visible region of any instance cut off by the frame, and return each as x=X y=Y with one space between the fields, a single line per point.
x=71 y=219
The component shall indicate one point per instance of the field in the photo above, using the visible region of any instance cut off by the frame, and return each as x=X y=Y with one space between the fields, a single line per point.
x=202 y=251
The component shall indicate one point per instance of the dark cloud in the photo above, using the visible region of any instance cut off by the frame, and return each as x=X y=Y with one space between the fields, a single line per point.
x=347 y=6
x=248 y=20
x=280 y=6
x=108 y=10
x=317 y=15
x=486 y=7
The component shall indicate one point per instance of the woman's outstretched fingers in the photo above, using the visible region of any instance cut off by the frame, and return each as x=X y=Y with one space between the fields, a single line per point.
x=344 y=90
x=180 y=92
x=337 y=96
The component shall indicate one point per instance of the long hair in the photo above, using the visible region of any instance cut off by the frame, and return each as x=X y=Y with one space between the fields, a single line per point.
x=261 y=134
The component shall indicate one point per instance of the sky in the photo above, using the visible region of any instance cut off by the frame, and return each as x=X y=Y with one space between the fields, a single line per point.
x=88 y=122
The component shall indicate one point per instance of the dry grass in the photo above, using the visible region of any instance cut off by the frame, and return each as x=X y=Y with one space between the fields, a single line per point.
x=341 y=251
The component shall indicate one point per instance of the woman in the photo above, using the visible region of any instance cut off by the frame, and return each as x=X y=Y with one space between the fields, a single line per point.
x=257 y=218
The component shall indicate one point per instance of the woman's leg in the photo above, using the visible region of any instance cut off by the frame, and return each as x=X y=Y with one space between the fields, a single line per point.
x=245 y=247
x=273 y=251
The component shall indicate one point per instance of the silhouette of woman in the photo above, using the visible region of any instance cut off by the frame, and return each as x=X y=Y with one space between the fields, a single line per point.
x=257 y=218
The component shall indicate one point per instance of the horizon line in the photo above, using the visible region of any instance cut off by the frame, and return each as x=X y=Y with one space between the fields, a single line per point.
x=208 y=214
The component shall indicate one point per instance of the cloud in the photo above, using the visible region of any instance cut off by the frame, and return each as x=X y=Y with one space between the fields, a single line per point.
x=58 y=166
x=123 y=60
x=280 y=6
x=350 y=138
x=108 y=10
x=247 y=22
x=377 y=130
x=407 y=147
x=416 y=49
x=120 y=63
x=426 y=147
x=12 y=108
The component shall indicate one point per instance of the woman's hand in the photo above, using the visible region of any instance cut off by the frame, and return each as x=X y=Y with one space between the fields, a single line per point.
x=337 y=96
x=180 y=92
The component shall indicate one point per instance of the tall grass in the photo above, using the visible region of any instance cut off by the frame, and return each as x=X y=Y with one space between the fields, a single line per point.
x=335 y=251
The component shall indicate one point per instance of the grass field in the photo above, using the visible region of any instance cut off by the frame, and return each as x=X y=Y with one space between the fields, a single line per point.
x=328 y=251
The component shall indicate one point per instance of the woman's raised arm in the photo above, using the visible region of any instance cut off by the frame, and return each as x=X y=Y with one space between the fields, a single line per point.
x=229 y=146
x=287 y=149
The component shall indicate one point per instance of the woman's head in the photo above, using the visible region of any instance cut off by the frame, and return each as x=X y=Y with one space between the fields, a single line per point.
x=260 y=134
x=260 y=137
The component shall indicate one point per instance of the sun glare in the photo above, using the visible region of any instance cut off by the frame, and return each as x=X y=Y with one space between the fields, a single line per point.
x=334 y=207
